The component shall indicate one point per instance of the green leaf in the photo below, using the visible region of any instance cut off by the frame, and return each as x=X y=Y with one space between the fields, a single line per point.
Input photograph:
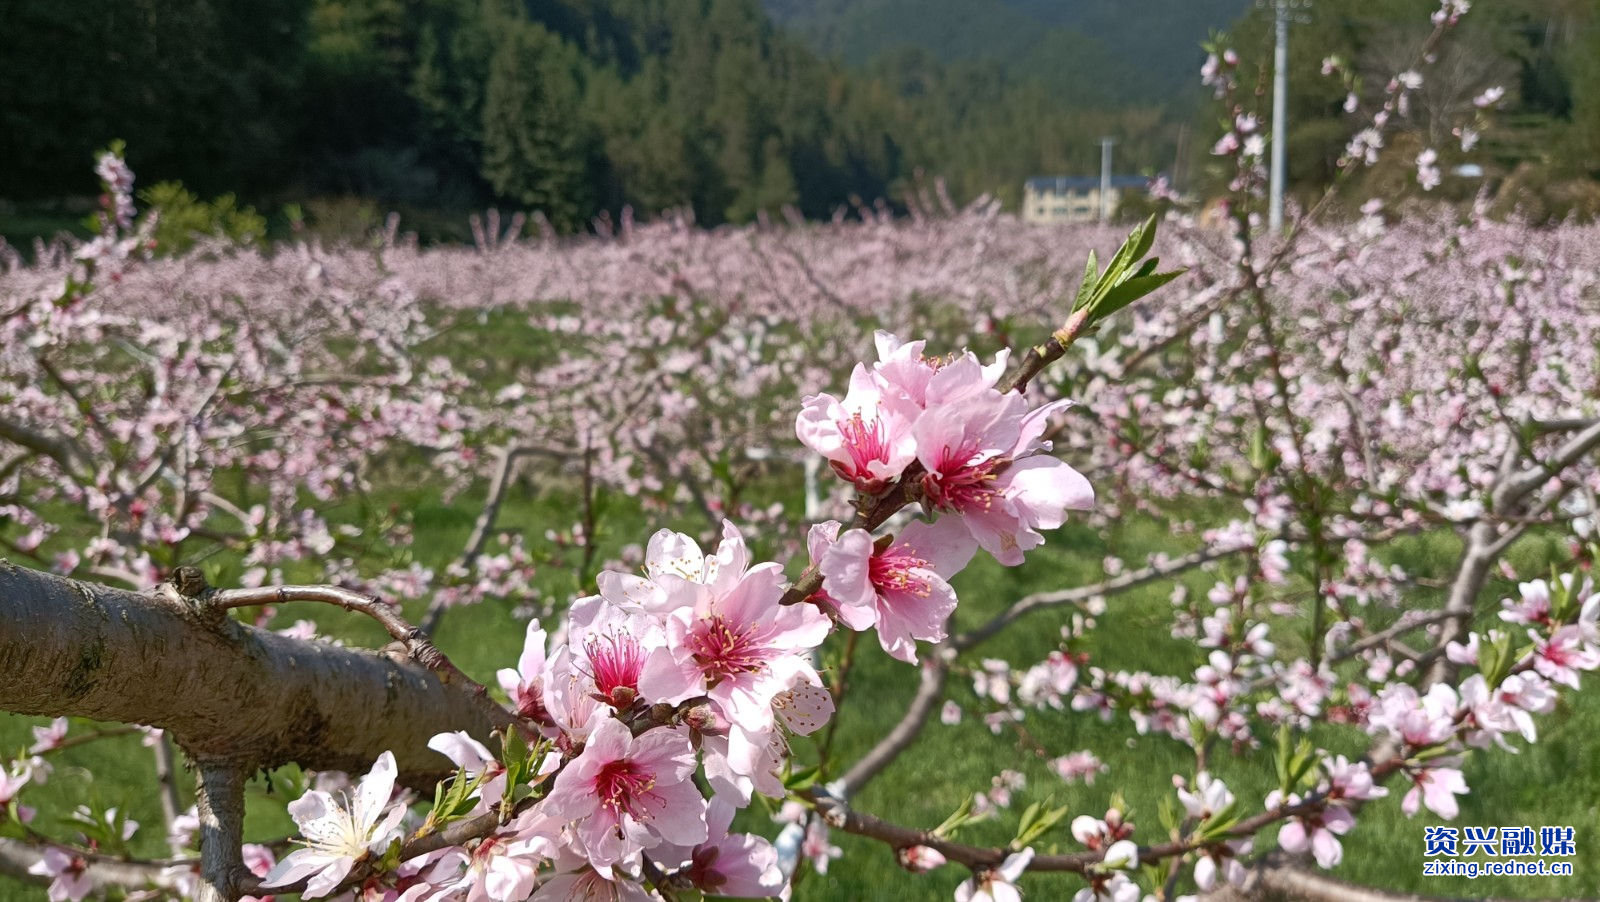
x=390 y=859
x=513 y=749
x=1562 y=606
x=11 y=826
x=286 y=782
x=1086 y=288
x=1125 y=279
x=1028 y=816
x=1168 y=813
x=1145 y=237
x=1036 y=822
x=1132 y=290
x=453 y=798
x=1494 y=659
x=1438 y=751
x=953 y=823
x=801 y=780
x=1130 y=251
x=1219 y=823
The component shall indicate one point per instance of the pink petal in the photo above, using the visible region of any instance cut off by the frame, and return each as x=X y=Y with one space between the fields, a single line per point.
x=1325 y=847
x=846 y=577
x=1293 y=837
x=1048 y=488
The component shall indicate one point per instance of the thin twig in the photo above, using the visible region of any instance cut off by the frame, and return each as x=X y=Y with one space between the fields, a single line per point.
x=1039 y=600
x=167 y=786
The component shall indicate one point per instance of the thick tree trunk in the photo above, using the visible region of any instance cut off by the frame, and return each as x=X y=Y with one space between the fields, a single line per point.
x=223 y=690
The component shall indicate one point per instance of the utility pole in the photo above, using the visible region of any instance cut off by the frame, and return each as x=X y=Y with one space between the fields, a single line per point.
x=1105 y=177
x=1280 y=115
x=1282 y=10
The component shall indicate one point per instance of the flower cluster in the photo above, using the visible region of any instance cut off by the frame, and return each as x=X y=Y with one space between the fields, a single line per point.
x=940 y=432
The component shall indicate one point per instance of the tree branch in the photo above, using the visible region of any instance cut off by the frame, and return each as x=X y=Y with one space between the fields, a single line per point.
x=1512 y=491
x=220 y=688
x=63 y=451
x=17 y=856
x=1482 y=547
x=1038 y=600
x=212 y=603
x=499 y=483
x=838 y=814
x=166 y=779
x=220 y=798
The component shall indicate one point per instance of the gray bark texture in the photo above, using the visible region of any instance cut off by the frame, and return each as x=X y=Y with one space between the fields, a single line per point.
x=224 y=691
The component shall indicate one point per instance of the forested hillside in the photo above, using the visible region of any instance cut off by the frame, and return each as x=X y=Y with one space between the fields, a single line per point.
x=570 y=107
x=1089 y=53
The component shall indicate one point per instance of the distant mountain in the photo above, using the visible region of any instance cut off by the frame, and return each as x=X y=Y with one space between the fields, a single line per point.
x=1093 y=53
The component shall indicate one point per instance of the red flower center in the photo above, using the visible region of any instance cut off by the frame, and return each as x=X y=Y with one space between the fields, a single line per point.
x=865 y=442
x=621 y=784
x=962 y=481
x=616 y=662
x=724 y=651
x=893 y=570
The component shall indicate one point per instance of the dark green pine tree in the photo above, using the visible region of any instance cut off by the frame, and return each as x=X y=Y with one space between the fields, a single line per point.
x=536 y=148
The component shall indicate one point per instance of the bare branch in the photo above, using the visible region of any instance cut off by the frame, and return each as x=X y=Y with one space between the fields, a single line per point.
x=1404 y=625
x=1483 y=545
x=63 y=451
x=499 y=482
x=1518 y=487
x=1126 y=581
x=416 y=643
x=17 y=856
x=220 y=797
x=935 y=672
x=1041 y=356
x=1569 y=425
x=166 y=781
x=220 y=688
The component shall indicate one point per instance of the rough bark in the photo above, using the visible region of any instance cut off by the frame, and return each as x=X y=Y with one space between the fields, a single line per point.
x=220 y=800
x=222 y=690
